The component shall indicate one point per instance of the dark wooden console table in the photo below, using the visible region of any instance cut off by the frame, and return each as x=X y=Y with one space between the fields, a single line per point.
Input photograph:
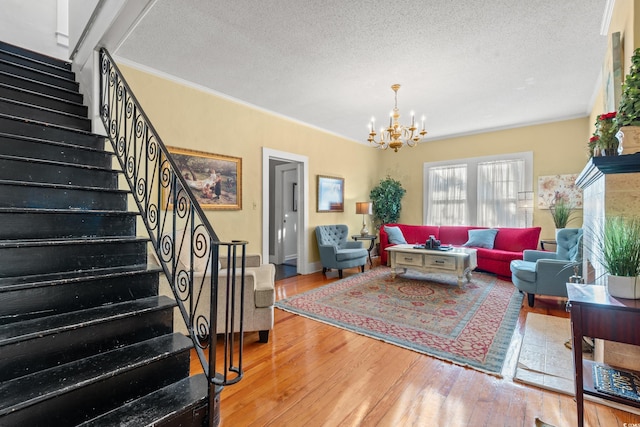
x=596 y=314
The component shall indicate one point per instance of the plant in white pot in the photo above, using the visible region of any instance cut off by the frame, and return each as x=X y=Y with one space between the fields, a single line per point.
x=621 y=256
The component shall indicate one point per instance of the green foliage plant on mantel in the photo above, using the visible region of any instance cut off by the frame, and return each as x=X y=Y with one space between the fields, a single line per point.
x=629 y=106
x=387 y=201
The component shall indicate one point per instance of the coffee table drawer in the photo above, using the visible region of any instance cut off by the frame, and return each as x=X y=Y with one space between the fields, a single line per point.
x=446 y=263
x=409 y=259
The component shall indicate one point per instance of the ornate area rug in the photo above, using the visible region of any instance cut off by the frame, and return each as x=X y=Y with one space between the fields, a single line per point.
x=427 y=313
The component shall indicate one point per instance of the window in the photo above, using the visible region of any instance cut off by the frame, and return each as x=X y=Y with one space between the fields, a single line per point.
x=447 y=198
x=477 y=191
x=498 y=185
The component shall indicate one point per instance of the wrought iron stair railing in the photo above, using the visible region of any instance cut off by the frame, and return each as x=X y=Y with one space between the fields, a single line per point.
x=181 y=234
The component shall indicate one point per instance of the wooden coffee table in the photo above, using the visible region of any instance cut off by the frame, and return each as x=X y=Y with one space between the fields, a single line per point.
x=457 y=261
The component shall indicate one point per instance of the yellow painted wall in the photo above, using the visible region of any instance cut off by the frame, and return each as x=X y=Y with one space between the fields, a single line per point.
x=189 y=118
x=558 y=148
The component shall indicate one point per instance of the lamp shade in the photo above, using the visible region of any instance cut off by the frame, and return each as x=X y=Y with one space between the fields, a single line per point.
x=364 y=208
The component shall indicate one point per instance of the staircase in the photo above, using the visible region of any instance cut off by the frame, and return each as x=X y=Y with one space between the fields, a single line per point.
x=85 y=338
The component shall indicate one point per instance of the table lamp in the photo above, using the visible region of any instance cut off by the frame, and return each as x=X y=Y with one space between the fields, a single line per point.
x=364 y=208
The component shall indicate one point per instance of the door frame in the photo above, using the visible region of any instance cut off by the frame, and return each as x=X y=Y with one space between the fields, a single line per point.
x=303 y=211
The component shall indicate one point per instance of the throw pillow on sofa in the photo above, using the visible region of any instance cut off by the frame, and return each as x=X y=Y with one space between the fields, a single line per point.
x=395 y=235
x=482 y=238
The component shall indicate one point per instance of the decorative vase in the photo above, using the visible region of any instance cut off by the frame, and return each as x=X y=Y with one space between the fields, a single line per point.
x=629 y=138
x=623 y=287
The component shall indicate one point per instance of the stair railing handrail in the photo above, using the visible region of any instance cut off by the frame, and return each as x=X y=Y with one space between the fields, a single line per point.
x=184 y=241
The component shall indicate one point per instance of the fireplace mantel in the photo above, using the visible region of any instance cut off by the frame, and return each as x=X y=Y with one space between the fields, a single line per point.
x=598 y=166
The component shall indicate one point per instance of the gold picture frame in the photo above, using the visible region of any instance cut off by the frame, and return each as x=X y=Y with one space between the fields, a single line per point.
x=214 y=179
x=330 y=194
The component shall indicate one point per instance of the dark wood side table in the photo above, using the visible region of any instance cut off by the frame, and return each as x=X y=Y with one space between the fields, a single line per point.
x=369 y=237
x=547 y=242
x=594 y=313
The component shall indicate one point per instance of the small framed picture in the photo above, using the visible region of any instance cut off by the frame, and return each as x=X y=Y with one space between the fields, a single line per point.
x=330 y=194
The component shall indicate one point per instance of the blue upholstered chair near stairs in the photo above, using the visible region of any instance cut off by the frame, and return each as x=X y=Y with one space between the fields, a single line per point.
x=546 y=273
x=338 y=252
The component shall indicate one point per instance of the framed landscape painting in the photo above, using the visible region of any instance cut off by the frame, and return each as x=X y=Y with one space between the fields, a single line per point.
x=214 y=179
x=330 y=194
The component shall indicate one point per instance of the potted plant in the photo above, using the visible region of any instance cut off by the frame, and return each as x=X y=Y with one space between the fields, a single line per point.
x=387 y=201
x=620 y=256
x=628 y=118
x=562 y=211
x=604 y=137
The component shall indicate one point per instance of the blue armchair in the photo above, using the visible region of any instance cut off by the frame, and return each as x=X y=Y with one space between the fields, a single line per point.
x=336 y=251
x=546 y=273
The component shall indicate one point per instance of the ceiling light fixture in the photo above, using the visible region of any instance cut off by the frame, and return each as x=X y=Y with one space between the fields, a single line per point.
x=396 y=135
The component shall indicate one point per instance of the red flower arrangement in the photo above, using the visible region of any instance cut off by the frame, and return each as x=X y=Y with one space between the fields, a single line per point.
x=604 y=138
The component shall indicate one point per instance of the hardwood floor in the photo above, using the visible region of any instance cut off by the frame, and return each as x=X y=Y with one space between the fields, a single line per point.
x=313 y=374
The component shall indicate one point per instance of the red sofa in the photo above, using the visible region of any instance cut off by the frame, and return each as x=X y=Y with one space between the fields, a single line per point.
x=508 y=245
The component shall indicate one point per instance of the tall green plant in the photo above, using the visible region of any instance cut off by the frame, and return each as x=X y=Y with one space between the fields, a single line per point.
x=621 y=246
x=561 y=211
x=387 y=201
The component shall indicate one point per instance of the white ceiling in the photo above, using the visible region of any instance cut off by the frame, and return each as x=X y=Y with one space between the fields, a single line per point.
x=467 y=65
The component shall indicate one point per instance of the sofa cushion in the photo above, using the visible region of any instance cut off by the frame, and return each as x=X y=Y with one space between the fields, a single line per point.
x=517 y=239
x=395 y=235
x=456 y=234
x=482 y=238
x=418 y=233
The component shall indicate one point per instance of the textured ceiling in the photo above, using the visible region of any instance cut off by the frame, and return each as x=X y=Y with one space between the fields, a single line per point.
x=468 y=66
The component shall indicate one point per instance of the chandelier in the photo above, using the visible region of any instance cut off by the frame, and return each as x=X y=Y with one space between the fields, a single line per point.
x=396 y=135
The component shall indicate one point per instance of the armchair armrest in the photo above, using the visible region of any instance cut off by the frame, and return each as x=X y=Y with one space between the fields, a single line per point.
x=533 y=255
x=553 y=268
x=327 y=251
x=551 y=272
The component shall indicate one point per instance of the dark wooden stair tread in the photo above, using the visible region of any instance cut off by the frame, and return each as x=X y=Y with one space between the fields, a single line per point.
x=44 y=185
x=25 y=391
x=35 y=328
x=58 y=164
x=24 y=282
x=21 y=243
x=57 y=143
x=158 y=406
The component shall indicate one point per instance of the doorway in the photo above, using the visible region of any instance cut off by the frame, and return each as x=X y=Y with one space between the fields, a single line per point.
x=285 y=188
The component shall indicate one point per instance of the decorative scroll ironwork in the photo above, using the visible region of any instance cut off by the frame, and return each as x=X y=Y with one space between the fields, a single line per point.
x=186 y=244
